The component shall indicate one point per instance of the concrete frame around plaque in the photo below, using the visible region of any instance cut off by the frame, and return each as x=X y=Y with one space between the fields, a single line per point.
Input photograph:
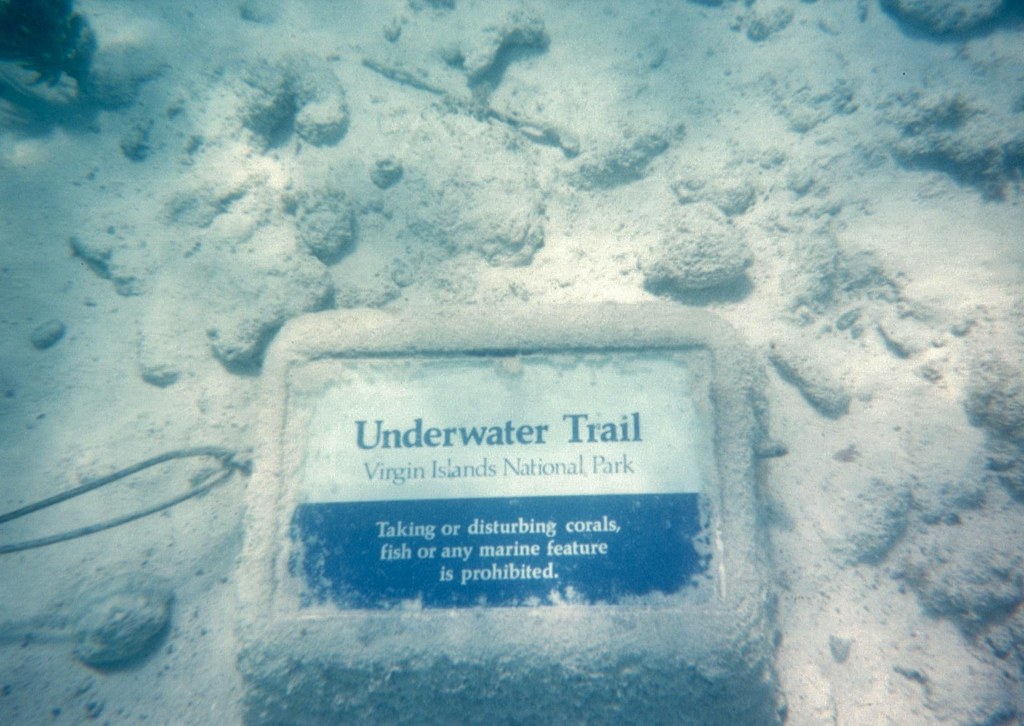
x=699 y=651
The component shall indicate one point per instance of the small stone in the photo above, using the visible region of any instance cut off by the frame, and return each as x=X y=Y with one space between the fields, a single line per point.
x=929 y=372
x=699 y=250
x=296 y=95
x=48 y=334
x=839 y=648
x=847 y=319
x=806 y=104
x=259 y=11
x=135 y=144
x=995 y=396
x=962 y=328
x=624 y=162
x=771 y=449
x=402 y=274
x=99 y=256
x=386 y=172
x=732 y=197
x=492 y=46
x=958 y=134
x=800 y=181
x=119 y=619
x=393 y=30
x=93 y=709
x=766 y=21
x=945 y=16
x=325 y=223
x=904 y=337
x=816 y=384
x=569 y=143
x=970 y=570
x=160 y=375
x=689 y=190
x=323 y=121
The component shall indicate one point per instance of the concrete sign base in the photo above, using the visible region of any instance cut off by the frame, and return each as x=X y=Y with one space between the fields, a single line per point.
x=500 y=518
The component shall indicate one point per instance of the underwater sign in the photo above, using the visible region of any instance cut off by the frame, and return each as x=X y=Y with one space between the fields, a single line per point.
x=500 y=481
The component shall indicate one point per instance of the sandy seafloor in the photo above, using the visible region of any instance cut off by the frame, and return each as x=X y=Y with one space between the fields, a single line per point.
x=846 y=185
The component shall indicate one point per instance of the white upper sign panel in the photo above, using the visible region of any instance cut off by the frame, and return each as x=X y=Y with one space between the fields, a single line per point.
x=529 y=425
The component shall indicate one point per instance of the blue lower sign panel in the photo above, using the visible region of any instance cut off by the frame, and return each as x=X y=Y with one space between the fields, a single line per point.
x=502 y=481
x=504 y=551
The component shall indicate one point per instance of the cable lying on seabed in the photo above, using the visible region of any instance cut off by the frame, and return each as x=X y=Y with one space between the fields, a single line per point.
x=231 y=462
x=537 y=132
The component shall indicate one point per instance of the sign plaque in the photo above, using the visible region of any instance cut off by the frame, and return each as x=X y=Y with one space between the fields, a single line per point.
x=497 y=480
x=544 y=515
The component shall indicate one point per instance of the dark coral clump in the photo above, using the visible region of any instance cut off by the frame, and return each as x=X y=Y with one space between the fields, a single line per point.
x=47 y=37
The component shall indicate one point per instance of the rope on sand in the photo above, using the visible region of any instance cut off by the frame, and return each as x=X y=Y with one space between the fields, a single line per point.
x=230 y=462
